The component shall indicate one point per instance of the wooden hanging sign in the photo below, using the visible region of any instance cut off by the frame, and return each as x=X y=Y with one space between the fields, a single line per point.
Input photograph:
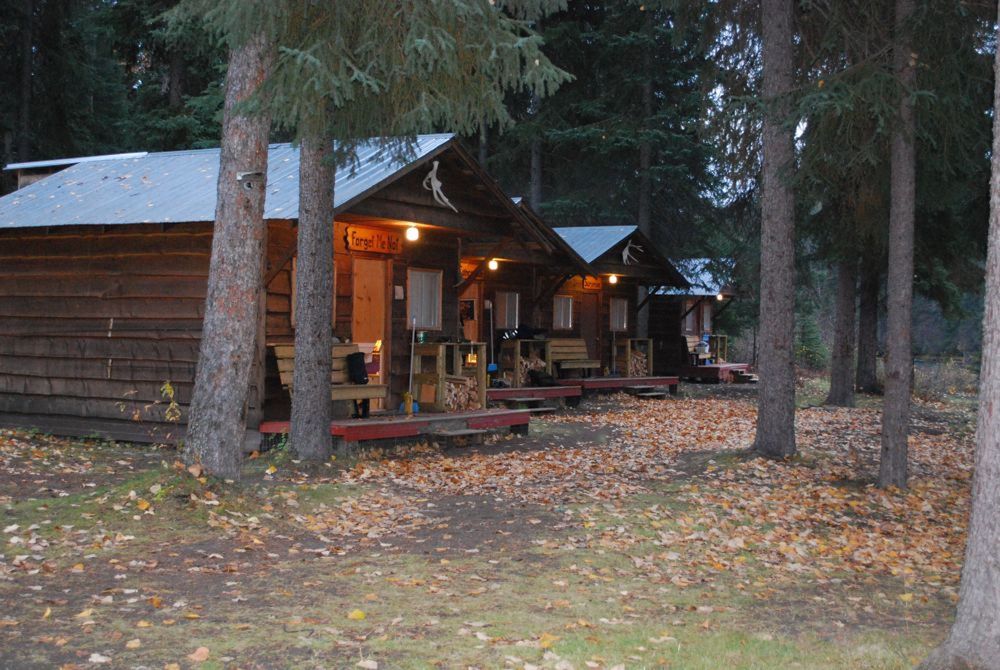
x=373 y=240
x=592 y=283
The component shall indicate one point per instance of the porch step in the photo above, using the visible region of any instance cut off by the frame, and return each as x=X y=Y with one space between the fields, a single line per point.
x=639 y=390
x=745 y=378
x=651 y=395
x=523 y=401
x=460 y=436
x=541 y=410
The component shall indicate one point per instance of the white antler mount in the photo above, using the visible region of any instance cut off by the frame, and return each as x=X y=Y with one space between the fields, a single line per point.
x=628 y=257
x=433 y=184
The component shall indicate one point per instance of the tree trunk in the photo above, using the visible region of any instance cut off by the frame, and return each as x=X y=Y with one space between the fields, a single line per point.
x=902 y=192
x=866 y=379
x=216 y=428
x=974 y=641
x=776 y=405
x=175 y=80
x=484 y=144
x=24 y=109
x=842 y=361
x=645 y=145
x=310 y=431
x=535 y=187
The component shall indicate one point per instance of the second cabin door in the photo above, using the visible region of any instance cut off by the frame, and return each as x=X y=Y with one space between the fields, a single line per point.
x=368 y=313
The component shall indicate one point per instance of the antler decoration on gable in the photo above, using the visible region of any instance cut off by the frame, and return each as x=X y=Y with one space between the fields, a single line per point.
x=433 y=184
x=628 y=257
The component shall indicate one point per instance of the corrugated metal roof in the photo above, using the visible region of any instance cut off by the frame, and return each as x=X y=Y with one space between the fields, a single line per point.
x=591 y=242
x=180 y=186
x=56 y=162
x=707 y=276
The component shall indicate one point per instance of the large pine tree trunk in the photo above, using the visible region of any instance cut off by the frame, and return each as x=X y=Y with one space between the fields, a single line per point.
x=842 y=361
x=535 y=186
x=866 y=377
x=217 y=425
x=902 y=192
x=24 y=104
x=310 y=431
x=776 y=404
x=974 y=641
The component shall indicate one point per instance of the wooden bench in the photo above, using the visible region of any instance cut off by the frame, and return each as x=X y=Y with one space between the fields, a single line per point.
x=570 y=354
x=341 y=388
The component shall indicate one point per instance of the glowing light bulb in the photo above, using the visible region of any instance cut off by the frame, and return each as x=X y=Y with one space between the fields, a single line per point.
x=493 y=264
x=412 y=234
x=720 y=297
x=613 y=279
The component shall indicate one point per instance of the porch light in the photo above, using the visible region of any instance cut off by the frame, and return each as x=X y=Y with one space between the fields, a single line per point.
x=412 y=234
x=613 y=279
x=720 y=297
x=493 y=264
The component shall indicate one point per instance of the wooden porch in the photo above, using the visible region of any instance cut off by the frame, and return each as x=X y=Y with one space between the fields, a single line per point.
x=716 y=373
x=392 y=426
x=611 y=384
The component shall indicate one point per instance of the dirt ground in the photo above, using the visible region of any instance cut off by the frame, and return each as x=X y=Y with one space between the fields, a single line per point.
x=621 y=534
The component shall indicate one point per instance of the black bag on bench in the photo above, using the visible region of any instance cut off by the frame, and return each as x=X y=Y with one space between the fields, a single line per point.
x=357 y=373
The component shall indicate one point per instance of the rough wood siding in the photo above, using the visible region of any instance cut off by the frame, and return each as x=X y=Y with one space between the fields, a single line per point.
x=280 y=239
x=434 y=251
x=93 y=321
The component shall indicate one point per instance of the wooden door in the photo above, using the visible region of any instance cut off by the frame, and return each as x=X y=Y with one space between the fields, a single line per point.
x=590 y=324
x=369 y=306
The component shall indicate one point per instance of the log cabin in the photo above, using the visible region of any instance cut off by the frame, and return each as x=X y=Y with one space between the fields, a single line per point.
x=104 y=264
x=603 y=308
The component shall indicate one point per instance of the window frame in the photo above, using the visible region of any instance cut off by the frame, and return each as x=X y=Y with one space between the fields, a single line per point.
x=503 y=325
x=421 y=325
x=555 y=312
x=611 y=315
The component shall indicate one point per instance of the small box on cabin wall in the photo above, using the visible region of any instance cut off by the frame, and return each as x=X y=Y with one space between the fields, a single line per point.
x=397 y=293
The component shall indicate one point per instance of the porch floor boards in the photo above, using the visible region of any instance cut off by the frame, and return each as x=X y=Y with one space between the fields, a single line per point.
x=721 y=373
x=612 y=383
x=401 y=426
x=561 y=391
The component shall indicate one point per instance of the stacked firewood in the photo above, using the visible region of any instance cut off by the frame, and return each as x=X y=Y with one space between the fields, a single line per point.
x=638 y=365
x=460 y=393
x=531 y=363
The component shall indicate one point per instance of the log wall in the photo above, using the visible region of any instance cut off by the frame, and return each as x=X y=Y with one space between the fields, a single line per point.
x=94 y=320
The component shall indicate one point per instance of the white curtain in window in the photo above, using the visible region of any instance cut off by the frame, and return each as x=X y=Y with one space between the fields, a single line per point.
x=562 y=312
x=619 y=314
x=425 y=298
x=706 y=317
x=507 y=303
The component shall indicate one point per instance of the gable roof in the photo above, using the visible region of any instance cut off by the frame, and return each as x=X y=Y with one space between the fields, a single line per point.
x=592 y=242
x=180 y=186
x=706 y=276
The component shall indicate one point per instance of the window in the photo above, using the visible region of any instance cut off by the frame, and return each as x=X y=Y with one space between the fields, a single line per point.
x=689 y=320
x=506 y=306
x=562 y=312
x=706 y=317
x=424 y=305
x=619 y=314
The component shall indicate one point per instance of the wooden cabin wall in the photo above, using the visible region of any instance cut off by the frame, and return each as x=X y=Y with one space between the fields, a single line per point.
x=434 y=251
x=597 y=331
x=94 y=320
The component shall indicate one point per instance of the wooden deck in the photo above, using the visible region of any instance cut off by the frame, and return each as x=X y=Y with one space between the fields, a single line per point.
x=395 y=426
x=718 y=373
x=594 y=384
x=560 y=391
